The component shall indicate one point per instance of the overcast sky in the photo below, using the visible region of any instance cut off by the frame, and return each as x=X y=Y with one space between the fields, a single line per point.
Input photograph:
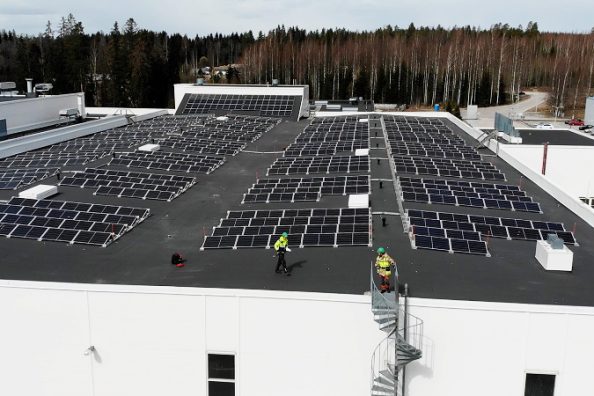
x=224 y=16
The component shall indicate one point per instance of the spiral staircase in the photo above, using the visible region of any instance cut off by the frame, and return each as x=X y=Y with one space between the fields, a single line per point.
x=401 y=346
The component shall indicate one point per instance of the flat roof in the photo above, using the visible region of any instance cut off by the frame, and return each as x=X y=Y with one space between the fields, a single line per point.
x=142 y=256
x=558 y=137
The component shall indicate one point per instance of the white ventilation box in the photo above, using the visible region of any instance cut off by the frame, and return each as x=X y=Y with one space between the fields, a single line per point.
x=554 y=259
x=359 y=201
x=222 y=118
x=361 y=152
x=149 y=148
x=40 y=191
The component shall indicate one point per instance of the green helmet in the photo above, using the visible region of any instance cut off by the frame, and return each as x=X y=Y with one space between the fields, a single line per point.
x=381 y=250
x=284 y=234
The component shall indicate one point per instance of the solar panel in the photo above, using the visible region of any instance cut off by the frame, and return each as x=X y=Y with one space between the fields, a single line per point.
x=266 y=105
x=496 y=227
x=175 y=162
x=130 y=184
x=306 y=227
x=67 y=221
x=319 y=164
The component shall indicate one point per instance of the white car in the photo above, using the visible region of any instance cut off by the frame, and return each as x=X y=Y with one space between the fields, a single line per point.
x=544 y=126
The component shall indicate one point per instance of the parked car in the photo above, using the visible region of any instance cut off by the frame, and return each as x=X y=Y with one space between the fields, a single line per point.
x=544 y=126
x=585 y=127
x=575 y=122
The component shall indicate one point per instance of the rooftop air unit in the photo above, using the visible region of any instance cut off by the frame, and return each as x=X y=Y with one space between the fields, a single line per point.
x=275 y=82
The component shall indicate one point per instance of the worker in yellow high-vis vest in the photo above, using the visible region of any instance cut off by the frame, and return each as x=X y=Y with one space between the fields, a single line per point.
x=281 y=246
x=383 y=265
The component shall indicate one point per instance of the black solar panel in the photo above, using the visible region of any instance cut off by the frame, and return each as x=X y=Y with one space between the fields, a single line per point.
x=67 y=221
x=266 y=105
x=305 y=227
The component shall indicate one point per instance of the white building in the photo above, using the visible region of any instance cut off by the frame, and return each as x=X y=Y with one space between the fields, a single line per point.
x=120 y=320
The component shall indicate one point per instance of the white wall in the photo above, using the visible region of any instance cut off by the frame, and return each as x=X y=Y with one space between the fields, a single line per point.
x=155 y=340
x=26 y=114
x=38 y=140
x=482 y=348
x=570 y=167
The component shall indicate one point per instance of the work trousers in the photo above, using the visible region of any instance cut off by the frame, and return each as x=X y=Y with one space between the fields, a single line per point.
x=281 y=262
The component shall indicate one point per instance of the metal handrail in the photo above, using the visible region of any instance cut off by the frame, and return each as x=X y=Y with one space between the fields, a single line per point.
x=409 y=330
x=379 y=300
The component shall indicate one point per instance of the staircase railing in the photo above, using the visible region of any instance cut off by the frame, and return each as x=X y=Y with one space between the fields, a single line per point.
x=401 y=346
x=379 y=300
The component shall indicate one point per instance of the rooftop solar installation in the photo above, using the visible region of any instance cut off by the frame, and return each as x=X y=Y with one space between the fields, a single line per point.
x=446 y=167
x=319 y=164
x=497 y=227
x=480 y=195
x=325 y=148
x=168 y=161
x=67 y=221
x=265 y=105
x=130 y=184
x=485 y=254
x=305 y=227
x=11 y=179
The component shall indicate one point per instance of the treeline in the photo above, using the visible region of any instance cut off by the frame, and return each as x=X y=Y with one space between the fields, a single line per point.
x=130 y=66
x=427 y=65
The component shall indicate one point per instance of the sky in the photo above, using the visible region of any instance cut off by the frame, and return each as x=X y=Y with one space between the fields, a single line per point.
x=194 y=17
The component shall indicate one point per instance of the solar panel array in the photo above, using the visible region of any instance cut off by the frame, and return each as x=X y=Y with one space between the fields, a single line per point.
x=459 y=177
x=497 y=227
x=446 y=167
x=130 y=184
x=266 y=105
x=324 y=148
x=203 y=146
x=11 y=179
x=462 y=193
x=35 y=159
x=333 y=129
x=331 y=227
x=192 y=144
x=168 y=161
x=305 y=227
x=319 y=164
x=305 y=189
x=67 y=221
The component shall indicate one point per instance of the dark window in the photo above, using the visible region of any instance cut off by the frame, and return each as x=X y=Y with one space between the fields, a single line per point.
x=221 y=375
x=221 y=366
x=539 y=385
x=221 y=388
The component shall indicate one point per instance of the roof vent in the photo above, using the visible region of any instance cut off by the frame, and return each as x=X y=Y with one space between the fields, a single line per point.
x=199 y=81
x=555 y=241
x=275 y=82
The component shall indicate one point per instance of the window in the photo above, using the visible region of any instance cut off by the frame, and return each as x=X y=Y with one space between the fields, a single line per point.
x=221 y=375
x=539 y=385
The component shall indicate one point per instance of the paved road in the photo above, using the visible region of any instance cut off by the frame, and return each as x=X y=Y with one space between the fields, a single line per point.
x=487 y=114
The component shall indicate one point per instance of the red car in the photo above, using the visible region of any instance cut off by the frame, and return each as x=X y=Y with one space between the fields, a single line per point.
x=575 y=122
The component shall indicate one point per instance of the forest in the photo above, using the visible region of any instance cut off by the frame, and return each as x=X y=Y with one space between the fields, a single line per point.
x=130 y=66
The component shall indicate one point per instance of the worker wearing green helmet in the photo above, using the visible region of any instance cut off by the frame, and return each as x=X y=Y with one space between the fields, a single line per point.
x=281 y=246
x=383 y=265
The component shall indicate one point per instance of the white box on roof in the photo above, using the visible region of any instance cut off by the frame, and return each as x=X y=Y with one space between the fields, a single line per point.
x=359 y=201
x=150 y=148
x=554 y=259
x=40 y=191
x=360 y=152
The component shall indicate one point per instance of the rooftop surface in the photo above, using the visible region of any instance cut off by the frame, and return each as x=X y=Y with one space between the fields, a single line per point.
x=142 y=256
x=560 y=137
